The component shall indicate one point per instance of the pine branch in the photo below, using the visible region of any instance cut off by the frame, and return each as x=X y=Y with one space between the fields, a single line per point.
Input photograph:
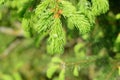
x=42 y=7
x=57 y=39
x=75 y=18
x=49 y=11
x=100 y=7
x=85 y=7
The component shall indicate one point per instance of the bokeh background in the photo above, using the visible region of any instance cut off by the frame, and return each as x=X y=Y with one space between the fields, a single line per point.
x=23 y=58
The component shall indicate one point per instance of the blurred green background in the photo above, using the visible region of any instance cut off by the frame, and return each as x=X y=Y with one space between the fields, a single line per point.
x=24 y=58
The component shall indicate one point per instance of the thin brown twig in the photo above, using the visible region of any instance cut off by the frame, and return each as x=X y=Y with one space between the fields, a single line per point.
x=10 y=48
x=11 y=31
x=82 y=61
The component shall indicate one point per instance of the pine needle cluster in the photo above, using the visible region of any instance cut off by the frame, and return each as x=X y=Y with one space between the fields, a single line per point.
x=47 y=19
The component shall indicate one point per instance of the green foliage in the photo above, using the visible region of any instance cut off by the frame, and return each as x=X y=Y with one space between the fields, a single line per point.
x=79 y=51
x=7 y=77
x=118 y=16
x=56 y=60
x=75 y=18
x=48 y=10
x=91 y=44
x=99 y=7
x=26 y=27
x=52 y=70
x=56 y=40
x=76 y=71
x=85 y=7
x=119 y=70
x=1 y=1
x=17 y=76
x=62 y=75
x=42 y=7
x=54 y=66
x=105 y=74
x=45 y=20
x=117 y=44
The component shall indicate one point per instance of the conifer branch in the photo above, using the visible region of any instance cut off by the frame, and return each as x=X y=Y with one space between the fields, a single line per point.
x=100 y=7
